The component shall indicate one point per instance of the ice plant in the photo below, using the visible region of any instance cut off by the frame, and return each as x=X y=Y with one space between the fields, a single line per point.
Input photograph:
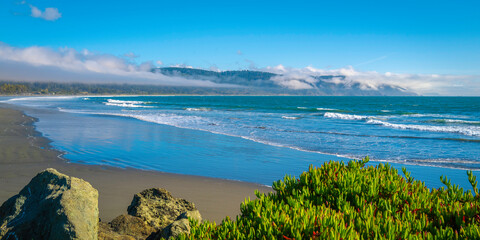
x=352 y=201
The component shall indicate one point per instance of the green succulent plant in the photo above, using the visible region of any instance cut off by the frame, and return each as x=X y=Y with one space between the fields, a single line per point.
x=352 y=201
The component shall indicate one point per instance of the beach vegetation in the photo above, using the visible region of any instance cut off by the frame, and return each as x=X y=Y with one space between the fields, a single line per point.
x=352 y=201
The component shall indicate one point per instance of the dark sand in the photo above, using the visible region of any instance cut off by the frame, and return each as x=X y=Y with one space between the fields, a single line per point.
x=24 y=153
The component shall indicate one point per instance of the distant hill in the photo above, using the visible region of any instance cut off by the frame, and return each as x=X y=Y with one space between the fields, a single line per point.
x=243 y=82
x=272 y=83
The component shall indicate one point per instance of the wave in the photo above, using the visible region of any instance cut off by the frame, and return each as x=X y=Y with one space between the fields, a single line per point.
x=202 y=109
x=455 y=121
x=470 y=131
x=170 y=119
x=439 y=163
x=326 y=109
x=346 y=116
x=433 y=115
x=127 y=105
x=121 y=103
x=290 y=117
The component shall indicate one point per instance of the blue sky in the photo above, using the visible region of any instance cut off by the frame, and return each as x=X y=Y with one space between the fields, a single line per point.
x=440 y=37
x=405 y=37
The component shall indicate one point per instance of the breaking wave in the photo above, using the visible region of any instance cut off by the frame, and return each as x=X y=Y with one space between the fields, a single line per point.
x=346 y=116
x=470 y=131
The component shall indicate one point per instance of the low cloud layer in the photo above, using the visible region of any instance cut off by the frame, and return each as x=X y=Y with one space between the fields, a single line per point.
x=68 y=65
x=49 y=14
x=423 y=84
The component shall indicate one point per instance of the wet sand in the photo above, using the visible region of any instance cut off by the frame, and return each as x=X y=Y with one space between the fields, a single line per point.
x=24 y=153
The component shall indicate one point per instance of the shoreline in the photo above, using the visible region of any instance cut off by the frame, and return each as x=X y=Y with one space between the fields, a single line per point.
x=24 y=152
x=345 y=157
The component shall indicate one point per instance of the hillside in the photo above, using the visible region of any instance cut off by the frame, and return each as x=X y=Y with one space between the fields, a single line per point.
x=337 y=85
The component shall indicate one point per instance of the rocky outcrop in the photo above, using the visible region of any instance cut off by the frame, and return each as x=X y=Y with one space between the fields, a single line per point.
x=158 y=208
x=151 y=212
x=51 y=206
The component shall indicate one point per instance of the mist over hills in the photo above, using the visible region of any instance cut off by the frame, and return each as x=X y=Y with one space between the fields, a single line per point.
x=205 y=82
x=273 y=83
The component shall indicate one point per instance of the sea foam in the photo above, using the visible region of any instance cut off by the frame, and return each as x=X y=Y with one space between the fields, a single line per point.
x=470 y=131
x=346 y=116
x=131 y=104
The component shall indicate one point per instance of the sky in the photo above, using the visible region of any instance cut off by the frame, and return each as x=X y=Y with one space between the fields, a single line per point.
x=392 y=41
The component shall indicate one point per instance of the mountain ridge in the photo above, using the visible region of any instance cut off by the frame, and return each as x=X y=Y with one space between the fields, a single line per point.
x=320 y=85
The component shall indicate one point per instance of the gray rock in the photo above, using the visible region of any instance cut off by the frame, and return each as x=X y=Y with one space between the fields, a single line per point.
x=191 y=214
x=125 y=227
x=180 y=226
x=51 y=206
x=175 y=229
x=158 y=208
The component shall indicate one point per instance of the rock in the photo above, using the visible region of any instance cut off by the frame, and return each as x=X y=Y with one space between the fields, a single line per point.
x=175 y=229
x=125 y=227
x=180 y=226
x=51 y=206
x=105 y=232
x=130 y=225
x=149 y=213
x=191 y=214
x=158 y=208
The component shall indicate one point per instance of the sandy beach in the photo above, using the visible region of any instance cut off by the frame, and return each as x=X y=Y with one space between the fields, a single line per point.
x=24 y=153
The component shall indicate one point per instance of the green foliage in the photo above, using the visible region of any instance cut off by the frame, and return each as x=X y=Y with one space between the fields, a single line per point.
x=352 y=201
x=52 y=88
x=10 y=89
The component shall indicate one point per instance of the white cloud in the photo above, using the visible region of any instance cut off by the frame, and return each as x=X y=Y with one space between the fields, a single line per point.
x=423 y=84
x=50 y=14
x=68 y=65
x=181 y=65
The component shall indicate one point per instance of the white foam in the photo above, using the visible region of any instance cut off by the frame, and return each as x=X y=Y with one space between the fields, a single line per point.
x=437 y=163
x=290 y=117
x=202 y=109
x=346 y=116
x=121 y=103
x=326 y=109
x=460 y=121
x=434 y=115
x=127 y=105
x=470 y=131
x=301 y=107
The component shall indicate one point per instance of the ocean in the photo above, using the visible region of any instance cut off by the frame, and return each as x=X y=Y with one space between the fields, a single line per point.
x=261 y=138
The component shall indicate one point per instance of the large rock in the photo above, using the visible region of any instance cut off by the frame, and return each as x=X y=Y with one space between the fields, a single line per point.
x=158 y=208
x=51 y=206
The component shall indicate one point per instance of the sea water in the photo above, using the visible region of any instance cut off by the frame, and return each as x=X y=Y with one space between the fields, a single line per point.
x=262 y=138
